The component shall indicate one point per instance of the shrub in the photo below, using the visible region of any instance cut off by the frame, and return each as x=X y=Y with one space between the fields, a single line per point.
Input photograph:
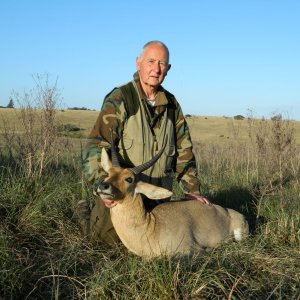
x=68 y=127
x=38 y=144
x=239 y=117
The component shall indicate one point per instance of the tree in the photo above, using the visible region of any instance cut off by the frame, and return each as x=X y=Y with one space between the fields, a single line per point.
x=10 y=103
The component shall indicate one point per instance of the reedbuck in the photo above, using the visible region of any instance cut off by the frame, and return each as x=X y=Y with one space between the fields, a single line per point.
x=171 y=228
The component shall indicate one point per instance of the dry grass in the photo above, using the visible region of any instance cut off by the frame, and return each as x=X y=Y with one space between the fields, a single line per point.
x=250 y=165
x=203 y=129
x=44 y=256
x=82 y=119
x=221 y=129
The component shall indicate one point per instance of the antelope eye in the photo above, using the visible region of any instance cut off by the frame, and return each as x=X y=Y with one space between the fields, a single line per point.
x=129 y=180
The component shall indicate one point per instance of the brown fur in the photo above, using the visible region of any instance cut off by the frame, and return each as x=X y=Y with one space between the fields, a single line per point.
x=170 y=228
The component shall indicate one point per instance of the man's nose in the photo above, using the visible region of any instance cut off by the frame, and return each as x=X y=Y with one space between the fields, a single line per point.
x=157 y=67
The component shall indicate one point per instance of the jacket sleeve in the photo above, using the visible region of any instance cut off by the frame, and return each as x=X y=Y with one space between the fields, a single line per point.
x=109 y=118
x=186 y=169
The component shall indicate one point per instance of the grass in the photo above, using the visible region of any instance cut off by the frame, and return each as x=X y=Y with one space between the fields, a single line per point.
x=43 y=254
x=203 y=128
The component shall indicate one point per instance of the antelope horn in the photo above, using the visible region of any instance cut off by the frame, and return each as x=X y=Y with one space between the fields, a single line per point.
x=114 y=156
x=139 y=169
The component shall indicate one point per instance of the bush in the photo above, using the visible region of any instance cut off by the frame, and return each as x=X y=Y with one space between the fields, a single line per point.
x=239 y=117
x=38 y=145
x=68 y=128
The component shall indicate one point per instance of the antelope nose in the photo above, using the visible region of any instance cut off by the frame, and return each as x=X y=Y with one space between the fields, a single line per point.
x=103 y=185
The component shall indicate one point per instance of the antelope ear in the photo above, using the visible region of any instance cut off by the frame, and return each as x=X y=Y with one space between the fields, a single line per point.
x=105 y=161
x=151 y=191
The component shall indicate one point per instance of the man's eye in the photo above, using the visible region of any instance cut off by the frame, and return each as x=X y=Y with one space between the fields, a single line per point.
x=129 y=180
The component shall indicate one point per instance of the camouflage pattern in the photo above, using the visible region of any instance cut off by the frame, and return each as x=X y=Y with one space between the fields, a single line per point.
x=114 y=114
x=126 y=115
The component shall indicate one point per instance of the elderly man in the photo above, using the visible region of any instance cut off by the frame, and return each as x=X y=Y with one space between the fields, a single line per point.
x=143 y=116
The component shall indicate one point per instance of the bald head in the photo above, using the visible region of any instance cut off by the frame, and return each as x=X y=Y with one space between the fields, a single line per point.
x=153 y=66
x=156 y=43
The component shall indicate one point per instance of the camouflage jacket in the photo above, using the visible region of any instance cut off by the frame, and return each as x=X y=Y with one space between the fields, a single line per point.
x=115 y=113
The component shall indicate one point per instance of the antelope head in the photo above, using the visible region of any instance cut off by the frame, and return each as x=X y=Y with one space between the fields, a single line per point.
x=123 y=183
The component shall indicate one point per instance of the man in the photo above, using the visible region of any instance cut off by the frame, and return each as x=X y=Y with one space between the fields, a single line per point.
x=143 y=117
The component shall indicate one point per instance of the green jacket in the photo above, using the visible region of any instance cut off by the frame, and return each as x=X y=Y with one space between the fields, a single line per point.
x=139 y=132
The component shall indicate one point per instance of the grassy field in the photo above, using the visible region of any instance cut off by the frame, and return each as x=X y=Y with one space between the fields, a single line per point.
x=252 y=166
x=203 y=128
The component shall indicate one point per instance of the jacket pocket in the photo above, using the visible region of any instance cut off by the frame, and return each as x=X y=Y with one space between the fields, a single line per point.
x=170 y=160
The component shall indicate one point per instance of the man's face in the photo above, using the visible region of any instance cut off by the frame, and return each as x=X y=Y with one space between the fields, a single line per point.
x=153 y=65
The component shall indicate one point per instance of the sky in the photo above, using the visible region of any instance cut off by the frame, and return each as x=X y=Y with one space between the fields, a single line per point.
x=228 y=57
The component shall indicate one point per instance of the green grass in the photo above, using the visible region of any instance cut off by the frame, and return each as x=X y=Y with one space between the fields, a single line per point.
x=43 y=254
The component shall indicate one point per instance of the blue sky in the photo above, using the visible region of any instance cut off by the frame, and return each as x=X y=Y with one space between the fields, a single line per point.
x=227 y=57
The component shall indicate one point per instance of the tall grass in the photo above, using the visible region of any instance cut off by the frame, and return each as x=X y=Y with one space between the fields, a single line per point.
x=43 y=254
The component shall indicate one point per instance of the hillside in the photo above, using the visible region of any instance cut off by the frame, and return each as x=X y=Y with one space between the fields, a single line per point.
x=202 y=128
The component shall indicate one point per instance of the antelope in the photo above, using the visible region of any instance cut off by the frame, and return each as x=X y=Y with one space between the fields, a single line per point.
x=171 y=228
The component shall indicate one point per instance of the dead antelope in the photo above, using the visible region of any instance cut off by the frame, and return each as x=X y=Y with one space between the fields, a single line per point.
x=171 y=228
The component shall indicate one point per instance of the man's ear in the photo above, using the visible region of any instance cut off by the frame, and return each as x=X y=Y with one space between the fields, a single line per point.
x=169 y=67
x=151 y=191
x=105 y=161
x=137 y=63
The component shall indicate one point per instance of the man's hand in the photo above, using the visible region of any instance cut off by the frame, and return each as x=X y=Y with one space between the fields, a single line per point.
x=197 y=197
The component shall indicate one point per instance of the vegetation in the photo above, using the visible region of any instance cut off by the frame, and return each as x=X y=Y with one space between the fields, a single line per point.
x=10 y=103
x=239 y=117
x=77 y=108
x=43 y=255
